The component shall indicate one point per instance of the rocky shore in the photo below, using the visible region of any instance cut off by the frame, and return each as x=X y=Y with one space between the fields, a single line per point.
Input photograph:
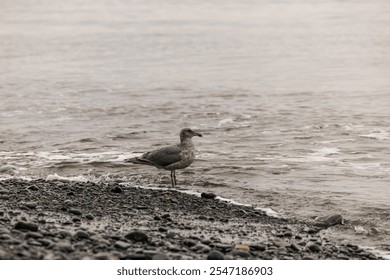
x=73 y=220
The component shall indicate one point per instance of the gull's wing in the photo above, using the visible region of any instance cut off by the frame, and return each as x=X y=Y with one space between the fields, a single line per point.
x=160 y=157
x=164 y=156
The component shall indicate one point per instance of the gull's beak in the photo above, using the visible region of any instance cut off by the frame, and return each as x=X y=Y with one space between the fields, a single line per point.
x=198 y=134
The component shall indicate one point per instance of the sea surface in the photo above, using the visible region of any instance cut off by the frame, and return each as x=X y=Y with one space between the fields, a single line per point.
x=292 y=97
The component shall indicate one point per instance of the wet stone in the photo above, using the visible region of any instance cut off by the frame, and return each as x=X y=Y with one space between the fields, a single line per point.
x=295 y=247
x=31 y=205
x=81 y=235
x=137 y=236
x=35 y=235
x=122 y=245
x=258 y=247
x=26 y=226
x=279 y=242
x=189 y=242
x=208 y=195
x=314 y=247
x=116 y=189
x=215 y=255
x=89 y=216
x=75 y=211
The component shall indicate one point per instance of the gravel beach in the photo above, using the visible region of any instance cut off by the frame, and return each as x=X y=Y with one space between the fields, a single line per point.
x=72 y=220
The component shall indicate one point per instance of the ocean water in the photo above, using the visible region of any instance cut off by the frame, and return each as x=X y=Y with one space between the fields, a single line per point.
x=292 y=97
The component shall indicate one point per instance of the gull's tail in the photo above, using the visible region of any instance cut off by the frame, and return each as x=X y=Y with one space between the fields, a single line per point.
x=138 y=160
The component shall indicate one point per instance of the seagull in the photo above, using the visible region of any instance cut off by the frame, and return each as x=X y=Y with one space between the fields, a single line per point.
x=172 y=157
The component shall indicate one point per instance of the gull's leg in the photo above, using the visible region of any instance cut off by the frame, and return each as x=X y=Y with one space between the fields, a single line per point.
x=172 y=172
x=174 y=176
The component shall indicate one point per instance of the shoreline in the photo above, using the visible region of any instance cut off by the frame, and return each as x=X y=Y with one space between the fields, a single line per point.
x=83 y=220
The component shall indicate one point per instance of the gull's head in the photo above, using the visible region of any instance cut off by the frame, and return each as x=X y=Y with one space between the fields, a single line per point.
x=188 y=133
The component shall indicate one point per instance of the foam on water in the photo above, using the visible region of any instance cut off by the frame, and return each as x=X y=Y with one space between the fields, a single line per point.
x=56 y=177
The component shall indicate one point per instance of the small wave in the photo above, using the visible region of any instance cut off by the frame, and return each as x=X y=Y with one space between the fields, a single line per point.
x=56 y=177
x=321 y=154
x=378 y=135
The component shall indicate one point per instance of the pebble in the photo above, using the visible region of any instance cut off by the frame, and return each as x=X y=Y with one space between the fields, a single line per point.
x=162 y=229
x=33 y=188
x=122 y=245
x=222 y=246
x=189 y=242
x=201 y=248
x=314 y=247
x=215 y=255
x=242 y=248
x=330 y=220
x=295 y=247
x=81 y=235
x=208 y=195
x=137 y=236
x=75 y=211
x=280 y=243
x=35 y=235
x=258 y=247
x=26 y=226
x=31 y=205
x=116 y=189
x=89 y=216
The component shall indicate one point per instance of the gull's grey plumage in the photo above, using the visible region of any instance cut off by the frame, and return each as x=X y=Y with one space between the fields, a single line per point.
x=172 y=157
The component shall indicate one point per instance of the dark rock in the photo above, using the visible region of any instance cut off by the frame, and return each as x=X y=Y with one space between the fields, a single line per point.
x=81 y=235
x=215 y=255
x=330 y=220
x=116 y=189
x=46 y=242
x=258 y=247
x=295 y=247
x=31 y=205
x=157 y=218
x=122 y=245
x=26 y=226
x=75 y=211
x=162 y=229
x=165 y=216
x=137 y=236
x=314 y=247
x=35 y=235
x=201 y=248
x=208 y=195
x=33 y=188
x=189 y=242
x=89 y=216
